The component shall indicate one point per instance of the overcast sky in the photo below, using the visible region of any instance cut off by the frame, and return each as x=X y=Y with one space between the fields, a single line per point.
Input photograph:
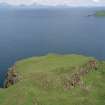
x=53 y=2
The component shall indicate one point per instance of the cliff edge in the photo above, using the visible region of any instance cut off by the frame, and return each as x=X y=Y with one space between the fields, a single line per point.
x=55 y=80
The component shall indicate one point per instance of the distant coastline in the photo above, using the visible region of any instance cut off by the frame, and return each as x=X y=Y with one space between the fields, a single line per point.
x=98 y=14
x=41 y=5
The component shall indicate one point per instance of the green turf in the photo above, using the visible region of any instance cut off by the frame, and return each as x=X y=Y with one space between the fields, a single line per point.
x=100 y=14
x=41 y=82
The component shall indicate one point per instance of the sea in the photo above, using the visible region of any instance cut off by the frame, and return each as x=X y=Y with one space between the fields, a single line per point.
x=27 y=32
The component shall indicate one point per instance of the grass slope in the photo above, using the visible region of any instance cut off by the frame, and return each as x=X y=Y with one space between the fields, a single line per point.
x=100 y=14
x=41 y=82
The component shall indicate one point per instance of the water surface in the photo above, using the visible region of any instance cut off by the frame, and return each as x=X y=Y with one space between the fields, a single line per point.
x=32 y=32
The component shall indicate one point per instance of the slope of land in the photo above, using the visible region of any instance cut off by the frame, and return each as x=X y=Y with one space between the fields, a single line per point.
x=57 y=80
x=100 y=14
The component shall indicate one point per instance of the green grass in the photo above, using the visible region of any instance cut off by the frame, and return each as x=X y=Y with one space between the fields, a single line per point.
x=100 y=14
x=41 y=82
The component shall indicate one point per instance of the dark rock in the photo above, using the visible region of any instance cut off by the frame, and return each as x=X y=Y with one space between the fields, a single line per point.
x=11 y=77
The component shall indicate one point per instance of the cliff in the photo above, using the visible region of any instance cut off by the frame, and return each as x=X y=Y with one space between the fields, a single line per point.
x=11 y=77
x=56 y=80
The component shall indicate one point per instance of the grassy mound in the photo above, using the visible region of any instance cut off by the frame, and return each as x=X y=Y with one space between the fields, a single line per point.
x=100 y=13
x=42 y=82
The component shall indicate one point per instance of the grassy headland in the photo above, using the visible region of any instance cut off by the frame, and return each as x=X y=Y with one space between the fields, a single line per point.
x=46 y=81
x=97 y=14
x=100 y=14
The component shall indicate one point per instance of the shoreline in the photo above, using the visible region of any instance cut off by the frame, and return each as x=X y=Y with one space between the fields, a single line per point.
x=12 y=77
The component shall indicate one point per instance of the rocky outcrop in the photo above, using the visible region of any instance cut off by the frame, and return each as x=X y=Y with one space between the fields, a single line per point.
x=11 y=77
x=75 y=79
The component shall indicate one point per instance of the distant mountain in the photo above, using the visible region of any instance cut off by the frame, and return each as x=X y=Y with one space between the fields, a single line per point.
x=6 y=5
x=36 y=5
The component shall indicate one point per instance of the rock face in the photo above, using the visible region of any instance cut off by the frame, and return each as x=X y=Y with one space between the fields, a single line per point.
x=11 y=77
x=76 y=77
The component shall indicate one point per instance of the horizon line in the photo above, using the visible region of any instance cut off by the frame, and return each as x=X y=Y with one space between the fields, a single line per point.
x=52 y=5
x=45 y=4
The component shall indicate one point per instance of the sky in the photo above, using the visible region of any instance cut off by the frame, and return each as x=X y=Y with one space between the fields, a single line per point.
x=53 y=2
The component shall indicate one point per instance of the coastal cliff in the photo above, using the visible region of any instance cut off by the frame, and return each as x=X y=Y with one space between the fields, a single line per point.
x=55 y=80
x=11 y=77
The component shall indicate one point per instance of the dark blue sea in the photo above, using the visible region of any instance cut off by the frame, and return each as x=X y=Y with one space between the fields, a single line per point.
x=33 y=32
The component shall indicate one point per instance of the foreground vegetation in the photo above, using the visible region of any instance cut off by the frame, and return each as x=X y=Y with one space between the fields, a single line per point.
x=44 y=81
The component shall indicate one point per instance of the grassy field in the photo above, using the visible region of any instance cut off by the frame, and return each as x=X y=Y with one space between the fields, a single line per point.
x=42 y=82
